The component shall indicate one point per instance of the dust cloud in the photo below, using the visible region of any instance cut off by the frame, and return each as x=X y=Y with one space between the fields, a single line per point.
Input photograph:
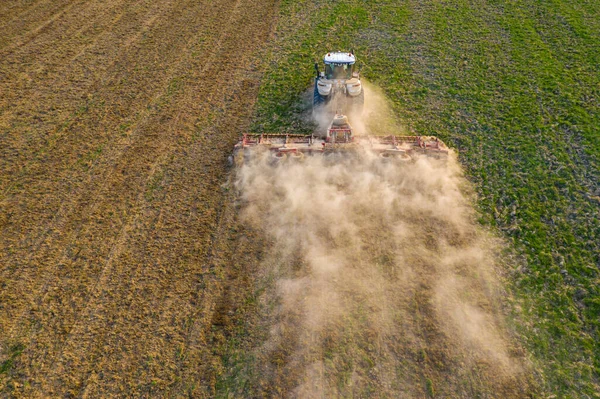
x=382 y=282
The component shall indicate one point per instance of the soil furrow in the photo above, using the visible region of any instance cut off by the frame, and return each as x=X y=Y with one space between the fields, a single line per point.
x=166 y=231
x=21 y=21
x=119 y=263
x=42 y=104
x=10 y=9
x=78 y=197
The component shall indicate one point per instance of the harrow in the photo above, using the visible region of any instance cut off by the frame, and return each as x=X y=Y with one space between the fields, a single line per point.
x=339 y=140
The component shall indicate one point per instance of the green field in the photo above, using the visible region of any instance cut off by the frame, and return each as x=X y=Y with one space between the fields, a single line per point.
x=515 y=88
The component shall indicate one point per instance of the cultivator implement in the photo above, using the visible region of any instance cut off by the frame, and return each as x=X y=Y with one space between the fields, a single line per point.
x=340 y=139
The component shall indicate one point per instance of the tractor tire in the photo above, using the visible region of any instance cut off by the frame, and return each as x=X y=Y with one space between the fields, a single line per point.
x=318 y=99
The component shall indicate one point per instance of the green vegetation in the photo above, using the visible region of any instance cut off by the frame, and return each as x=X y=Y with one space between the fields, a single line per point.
x=515 y=88
x=13 y=353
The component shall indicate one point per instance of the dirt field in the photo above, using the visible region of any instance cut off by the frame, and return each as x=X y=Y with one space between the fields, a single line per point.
x=110 y=189
x=135 y=262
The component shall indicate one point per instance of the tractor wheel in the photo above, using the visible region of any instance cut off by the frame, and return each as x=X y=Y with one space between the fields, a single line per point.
x=318 y=99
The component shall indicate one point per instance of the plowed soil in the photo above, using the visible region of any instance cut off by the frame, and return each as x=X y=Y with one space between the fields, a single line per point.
x=116 y=119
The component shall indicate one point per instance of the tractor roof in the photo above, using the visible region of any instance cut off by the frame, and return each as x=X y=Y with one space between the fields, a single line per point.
x=339 y=58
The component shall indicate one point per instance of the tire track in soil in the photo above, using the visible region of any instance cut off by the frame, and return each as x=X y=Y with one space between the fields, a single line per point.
x=22 y=21
x=163 y=214
x=10 y=9
x=78 y=197
x=47 y=85
x=97 y=335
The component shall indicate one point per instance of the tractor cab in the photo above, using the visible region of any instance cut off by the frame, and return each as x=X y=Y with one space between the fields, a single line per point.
x=339 y=65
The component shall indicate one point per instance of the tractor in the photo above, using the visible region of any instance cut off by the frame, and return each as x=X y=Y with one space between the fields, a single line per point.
x=338 y=90
x=338 y=87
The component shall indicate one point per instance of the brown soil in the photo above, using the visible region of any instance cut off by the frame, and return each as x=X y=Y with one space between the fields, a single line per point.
x=126 y=269
x=116 y=121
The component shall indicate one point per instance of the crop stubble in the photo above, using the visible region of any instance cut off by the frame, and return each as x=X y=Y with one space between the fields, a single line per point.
x=116 y=119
